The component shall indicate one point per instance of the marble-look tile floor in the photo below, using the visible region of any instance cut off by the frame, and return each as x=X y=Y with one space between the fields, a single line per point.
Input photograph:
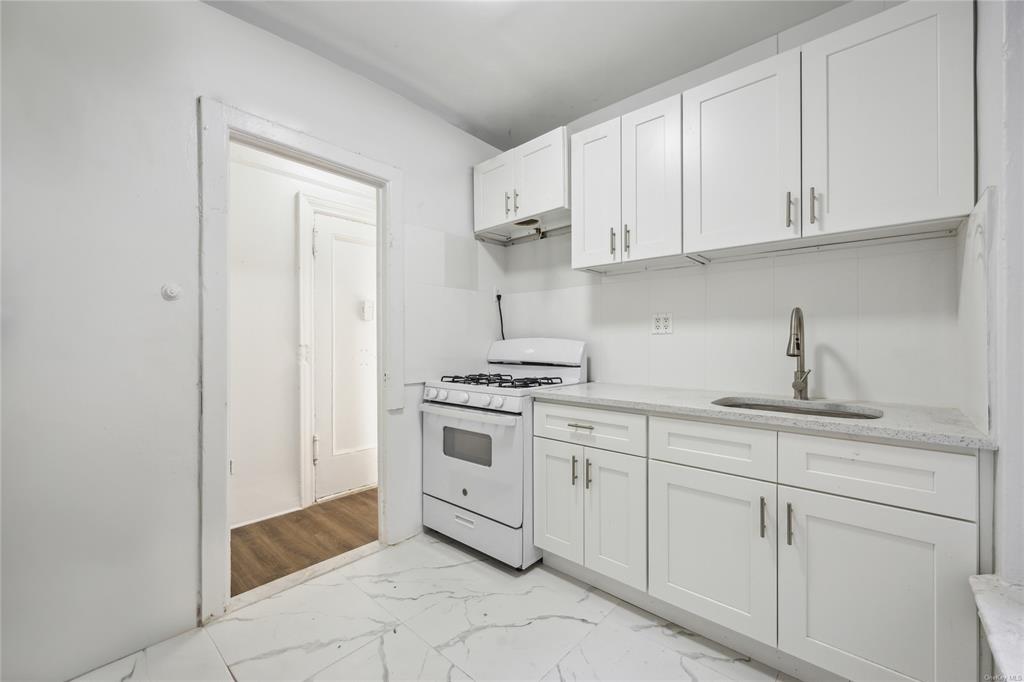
x=427 y=609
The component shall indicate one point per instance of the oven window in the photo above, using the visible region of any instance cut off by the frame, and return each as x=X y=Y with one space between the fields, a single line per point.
x=469 y=446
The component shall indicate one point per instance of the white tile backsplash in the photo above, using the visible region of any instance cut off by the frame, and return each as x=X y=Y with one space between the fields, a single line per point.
x=881 y=320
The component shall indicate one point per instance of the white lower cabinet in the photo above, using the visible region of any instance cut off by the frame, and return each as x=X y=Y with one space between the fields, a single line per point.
x=558 y=498
x=713 y=544
x=615 y=516
x=590 y=506
x=876 y=593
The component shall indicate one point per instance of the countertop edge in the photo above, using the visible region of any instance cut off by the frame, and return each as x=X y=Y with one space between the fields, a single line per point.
x=1001 y=610
x=892 y=435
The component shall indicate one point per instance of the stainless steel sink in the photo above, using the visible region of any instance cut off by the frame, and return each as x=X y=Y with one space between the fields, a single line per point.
x=816 y=408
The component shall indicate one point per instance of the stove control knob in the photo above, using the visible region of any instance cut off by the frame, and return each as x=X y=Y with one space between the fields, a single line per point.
x=442 y=394
x=498 y=401
x=485 y=400
x=431 y=393
x=460 y=397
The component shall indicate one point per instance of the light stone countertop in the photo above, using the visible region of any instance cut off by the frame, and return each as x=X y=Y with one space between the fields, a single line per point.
x=1001 y=608
x=900 y=424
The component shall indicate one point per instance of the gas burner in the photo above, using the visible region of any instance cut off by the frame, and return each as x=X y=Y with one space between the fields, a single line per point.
x=479 y=379
x=529 y=382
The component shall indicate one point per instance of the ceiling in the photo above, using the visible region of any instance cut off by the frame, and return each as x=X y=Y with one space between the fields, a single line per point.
x=509 y=71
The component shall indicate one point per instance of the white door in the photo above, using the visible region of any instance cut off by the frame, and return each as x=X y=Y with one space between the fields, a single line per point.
x=558 y=498
x=493 y=184
x=596 y=196
x=542 y=175
x=741 y=157
x=872 y=592
x=652 y=201
x=345 y=355
x=888 y=120
x=713 y=543
x=615 y=516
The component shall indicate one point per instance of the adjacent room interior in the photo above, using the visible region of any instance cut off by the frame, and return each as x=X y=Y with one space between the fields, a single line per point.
x=302 y=421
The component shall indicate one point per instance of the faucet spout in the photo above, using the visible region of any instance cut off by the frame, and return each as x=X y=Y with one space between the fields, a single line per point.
x=795 y=349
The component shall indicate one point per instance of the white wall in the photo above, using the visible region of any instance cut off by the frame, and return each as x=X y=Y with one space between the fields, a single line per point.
x=881 y=321
x=1000 y=109
x=100 y=412
x=263 y=419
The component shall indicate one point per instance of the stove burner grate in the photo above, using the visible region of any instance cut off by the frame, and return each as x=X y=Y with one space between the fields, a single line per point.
x=478 y=379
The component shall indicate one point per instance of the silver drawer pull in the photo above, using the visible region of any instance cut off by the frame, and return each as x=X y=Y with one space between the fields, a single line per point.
x=764 y=526
x=789 y=209
x=574 y=476
x=611 y=240
x=789 y=523
x=588 y=427
x=588 y=481
x=813 y=218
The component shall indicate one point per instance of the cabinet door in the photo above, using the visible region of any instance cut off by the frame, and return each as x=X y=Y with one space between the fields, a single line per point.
x=889 y=120
x=652 y=184
x=876 y=593
x=542 y=175
x=596 y=196
x=615 y=516
x=493 y=183
x=713 y=542
x=558 y=498
x=741 y=157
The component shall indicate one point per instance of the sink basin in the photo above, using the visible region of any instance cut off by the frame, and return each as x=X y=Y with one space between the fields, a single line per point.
x=817 y=408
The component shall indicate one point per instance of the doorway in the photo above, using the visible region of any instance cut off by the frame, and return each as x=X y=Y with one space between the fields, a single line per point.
x=303 y=367
x=218 y=125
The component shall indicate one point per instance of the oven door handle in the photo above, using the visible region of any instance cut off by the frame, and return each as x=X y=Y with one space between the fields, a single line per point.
x=482 y=417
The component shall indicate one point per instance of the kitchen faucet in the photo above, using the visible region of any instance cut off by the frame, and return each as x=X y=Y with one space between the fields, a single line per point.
x=795 y=349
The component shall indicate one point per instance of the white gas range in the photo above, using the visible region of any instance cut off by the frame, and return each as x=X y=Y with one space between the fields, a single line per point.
x=478 y=445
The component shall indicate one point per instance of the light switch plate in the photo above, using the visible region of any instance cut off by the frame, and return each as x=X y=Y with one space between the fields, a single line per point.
x=661 y=323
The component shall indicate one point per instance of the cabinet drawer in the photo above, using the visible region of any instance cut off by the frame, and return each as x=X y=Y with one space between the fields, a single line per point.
x=617 y=431
x=927 y=480
x=729 y=449
x=493 y=538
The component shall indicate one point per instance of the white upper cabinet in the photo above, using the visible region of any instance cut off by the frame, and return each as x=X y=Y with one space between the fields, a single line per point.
x=524 y=188
x=652 y=201
x=542 y=169
x=741 y=151
x=888 y=119
x=597 y=196
x=627 y=187
x=493 y=185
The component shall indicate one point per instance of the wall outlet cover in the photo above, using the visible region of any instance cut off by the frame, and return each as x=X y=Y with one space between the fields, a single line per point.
x=661 y=323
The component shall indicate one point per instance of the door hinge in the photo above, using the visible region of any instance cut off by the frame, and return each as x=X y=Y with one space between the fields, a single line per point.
x=316 y=235
x=316 y=449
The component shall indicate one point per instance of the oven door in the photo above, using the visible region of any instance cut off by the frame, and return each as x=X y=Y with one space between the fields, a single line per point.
x=474 y=459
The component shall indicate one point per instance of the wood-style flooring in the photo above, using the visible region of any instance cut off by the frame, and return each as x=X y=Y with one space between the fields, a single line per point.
x=273 y=548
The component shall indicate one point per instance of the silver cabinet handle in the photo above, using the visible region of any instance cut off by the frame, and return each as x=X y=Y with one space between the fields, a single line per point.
x=789 y=209
x=506 y=204
x=515 y=200
x=812 y=206
x=611 y=240
x=587 y=482
x=574 y=476
x=789 y=523
x=625 y=237
x=764 y=528
x=588 y=427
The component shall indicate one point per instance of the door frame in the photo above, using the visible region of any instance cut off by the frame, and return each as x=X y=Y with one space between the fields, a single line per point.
x=308 y=206
x=218 y=125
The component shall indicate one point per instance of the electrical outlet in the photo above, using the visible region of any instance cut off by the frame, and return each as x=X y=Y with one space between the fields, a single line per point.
x=661 y=323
